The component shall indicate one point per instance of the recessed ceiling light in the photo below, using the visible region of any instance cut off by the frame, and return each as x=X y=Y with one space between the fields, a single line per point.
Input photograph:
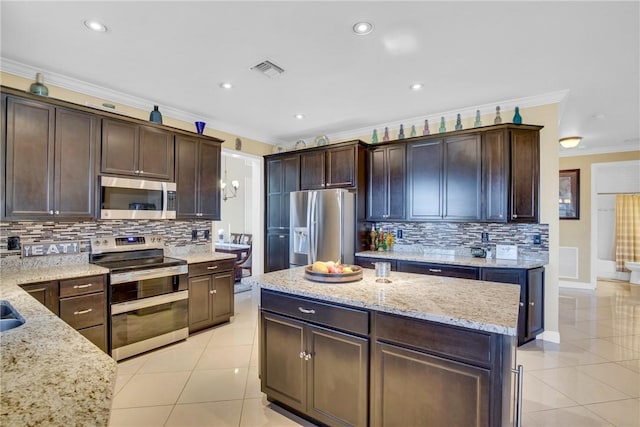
x=94 y=25
x=226 y=85
x=362 y=28
x=416 y=86
x=299 y=116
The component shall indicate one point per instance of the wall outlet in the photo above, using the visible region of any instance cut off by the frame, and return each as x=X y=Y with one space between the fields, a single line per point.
x=207 y=234
x=194 y=234
x=537 y=239
x=399 y=233
x=485 y=237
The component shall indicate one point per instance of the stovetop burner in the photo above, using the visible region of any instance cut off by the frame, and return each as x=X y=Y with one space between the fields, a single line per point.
x=119 y=266
x=131 y=253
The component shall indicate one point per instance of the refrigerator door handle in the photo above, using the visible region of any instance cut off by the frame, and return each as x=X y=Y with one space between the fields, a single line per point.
x=311 y=224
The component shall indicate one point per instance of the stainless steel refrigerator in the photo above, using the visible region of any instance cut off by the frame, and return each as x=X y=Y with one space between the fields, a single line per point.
x=322 y=224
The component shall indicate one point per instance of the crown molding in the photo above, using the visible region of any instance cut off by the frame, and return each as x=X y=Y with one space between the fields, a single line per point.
x=557 y=97
x=115 y=97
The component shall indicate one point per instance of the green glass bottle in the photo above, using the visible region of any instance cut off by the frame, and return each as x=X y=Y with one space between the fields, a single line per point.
x=443 y=128
x=374 y=137
x=517 y=118
x=413 y=131
x=458 y=122
x=38 y=88
x=477 y=123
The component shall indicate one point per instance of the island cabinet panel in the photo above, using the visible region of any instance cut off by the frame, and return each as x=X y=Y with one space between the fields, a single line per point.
x=387 y=182
x=531 y=312
x=446 y=270
x=59 y=146
x=137 y=150
x=211 y=299
x=197 y=178
x=415 y=360
x=320 y=372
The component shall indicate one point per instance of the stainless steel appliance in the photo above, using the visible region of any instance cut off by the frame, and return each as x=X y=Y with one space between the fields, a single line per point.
x=148 y=293
x=127 y=198
x=322 y=224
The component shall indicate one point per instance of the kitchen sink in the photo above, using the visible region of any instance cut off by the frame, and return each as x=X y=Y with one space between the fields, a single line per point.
x=9 y=316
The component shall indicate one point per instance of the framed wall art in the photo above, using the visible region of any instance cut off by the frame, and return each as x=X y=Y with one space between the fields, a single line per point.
x=569 y=195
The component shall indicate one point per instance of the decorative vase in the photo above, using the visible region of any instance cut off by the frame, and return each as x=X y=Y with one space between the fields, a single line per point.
x=385 y=137
x=38 y=88
x=413 y=131
x=498 y=119
x=155 y=115
x=426 y=130
x=199 y=125
x=443 y=128
x=477 y=123
x=517 y=118
x=458 y=122
x=374 y=137
x=401 y=133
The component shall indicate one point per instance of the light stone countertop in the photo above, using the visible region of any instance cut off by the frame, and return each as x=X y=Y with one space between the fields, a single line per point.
x=473 y=304
x=454 y=260
x=50 y=374
x=205 y=257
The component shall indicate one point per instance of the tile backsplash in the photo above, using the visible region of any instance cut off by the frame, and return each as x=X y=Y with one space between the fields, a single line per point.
x=175 y=233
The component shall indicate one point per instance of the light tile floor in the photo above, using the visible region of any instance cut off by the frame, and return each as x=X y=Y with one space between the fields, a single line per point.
x=591 y=379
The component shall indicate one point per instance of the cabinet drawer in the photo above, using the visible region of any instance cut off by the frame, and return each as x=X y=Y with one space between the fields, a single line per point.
x=83 y=311
x=367 y=262
x=81 y=286
x=210 y=267
x=334 y=316
x=445 y=270
x=460 y=344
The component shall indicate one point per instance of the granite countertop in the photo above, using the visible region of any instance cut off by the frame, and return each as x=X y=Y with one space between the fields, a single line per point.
x=205 y=257
x=474 y=304
x=455 y=260
x=51 y=375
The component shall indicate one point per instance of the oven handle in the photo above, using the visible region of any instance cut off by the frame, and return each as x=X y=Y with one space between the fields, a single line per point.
x=124 y=307
x=154 y=273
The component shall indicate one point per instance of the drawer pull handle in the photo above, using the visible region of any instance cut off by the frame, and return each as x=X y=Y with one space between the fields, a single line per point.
x=307 y=310
x=282 y=236
x=307 y=356
x=88 y=285
x=302 y=354
x=215 y=267
x=435 y=270
x=88 y=310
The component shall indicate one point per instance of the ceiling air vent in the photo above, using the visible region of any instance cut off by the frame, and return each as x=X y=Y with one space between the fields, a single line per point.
x=268 y=68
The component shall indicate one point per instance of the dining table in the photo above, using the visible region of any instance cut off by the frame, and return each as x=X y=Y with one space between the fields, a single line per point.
x=238 y=249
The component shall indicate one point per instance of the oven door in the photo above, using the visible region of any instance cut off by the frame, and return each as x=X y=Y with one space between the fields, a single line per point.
x=144 y=324
x=139 y=284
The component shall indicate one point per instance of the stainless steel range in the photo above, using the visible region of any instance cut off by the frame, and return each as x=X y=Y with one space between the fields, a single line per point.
x=148 y=293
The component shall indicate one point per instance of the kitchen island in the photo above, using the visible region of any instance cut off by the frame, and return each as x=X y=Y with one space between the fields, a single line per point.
x=420 y=350
x=50 y=374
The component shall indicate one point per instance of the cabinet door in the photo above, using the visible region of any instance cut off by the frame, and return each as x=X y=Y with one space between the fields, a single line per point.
x=274 y=183
x=424 y=180
x=313 y=171
x=462 y=179
x=222 y=302
x=458 y=271
x=403 y=395
x=200 y=302
x=277 y=251
x=495 y=163
x=29 y=159
x=517 y=277
x=76 y=145
x=97 y=335
x=46 y=293
x=396 y=178
x=340 y=165
x=155 y=153
x=209 y=180
x=535 y=303
x=377 y=189
x=119 y=147
x=283 y=368
x=337 y=377
x=186 y=177
x=525 y=179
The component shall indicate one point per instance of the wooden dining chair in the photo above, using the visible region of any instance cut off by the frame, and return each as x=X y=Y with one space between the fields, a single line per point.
x=243 y=264
x=236 y=237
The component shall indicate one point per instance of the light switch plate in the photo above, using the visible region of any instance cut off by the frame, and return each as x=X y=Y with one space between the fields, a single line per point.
x=507 y=251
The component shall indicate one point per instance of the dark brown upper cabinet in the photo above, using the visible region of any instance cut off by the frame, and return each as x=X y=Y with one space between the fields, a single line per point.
x=50 y=161
x=282 y=177
x=137 y=150
x=197 y=178
x=386 y=183
x=424 y=179
x=329 y=168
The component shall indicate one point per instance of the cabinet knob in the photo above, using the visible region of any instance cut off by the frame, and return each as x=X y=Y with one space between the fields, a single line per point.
x=51 y=212
x=57 y=212
x=302 y=354
x=282 y=236
x=307 y=356
x=141 y=172
x=521 y=304
x=136 y=172
x=213 y=291
x=514 y=216
x=531 y=303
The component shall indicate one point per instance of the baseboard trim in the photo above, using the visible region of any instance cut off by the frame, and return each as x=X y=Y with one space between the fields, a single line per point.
x=576 y=285
x=549 y=336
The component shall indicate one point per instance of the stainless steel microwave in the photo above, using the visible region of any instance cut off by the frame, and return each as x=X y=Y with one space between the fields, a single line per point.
x=130 y=198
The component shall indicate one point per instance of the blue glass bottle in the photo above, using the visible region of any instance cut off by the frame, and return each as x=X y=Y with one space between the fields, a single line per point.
x=155 y=115
x=517 y=118
x=401 y=133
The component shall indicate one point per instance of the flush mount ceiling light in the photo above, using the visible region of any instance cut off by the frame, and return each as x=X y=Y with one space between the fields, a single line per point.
x=94 y=25
x=570 y=141
x=416 y=86
x=299 y=116
x=362 y=28
x=226 y=85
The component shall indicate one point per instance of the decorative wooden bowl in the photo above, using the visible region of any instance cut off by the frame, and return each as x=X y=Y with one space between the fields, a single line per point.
x=334 y=277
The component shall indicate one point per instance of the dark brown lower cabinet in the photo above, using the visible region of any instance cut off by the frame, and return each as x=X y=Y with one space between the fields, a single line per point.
x=446 y=270
x=319 y=372
x=210 y=294
x=46 y=293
